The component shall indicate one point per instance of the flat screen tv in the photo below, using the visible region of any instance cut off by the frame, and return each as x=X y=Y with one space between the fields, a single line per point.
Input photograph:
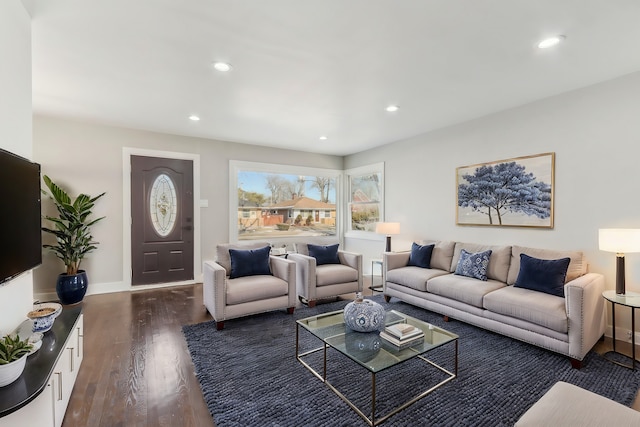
x=20 y=217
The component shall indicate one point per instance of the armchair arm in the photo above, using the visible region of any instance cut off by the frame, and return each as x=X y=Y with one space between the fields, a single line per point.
x=305 y=275
x=285 y=269
x=214 y=289
x=585 y=312
x=354 y=261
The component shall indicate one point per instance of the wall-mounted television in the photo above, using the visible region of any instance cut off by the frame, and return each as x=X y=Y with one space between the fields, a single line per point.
x=20 y=216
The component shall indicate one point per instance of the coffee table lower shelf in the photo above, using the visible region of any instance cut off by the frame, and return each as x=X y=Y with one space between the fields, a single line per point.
x=371 y=420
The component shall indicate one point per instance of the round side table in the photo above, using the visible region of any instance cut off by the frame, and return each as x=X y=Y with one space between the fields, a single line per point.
x=631 y=300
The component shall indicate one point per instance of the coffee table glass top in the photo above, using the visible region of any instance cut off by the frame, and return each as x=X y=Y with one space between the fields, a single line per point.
x=368 y=349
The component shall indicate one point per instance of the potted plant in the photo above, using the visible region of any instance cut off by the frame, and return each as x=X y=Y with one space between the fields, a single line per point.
x=72 y=230
x=13 y=357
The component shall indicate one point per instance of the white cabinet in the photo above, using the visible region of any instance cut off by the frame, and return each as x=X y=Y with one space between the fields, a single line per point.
x=49 y=407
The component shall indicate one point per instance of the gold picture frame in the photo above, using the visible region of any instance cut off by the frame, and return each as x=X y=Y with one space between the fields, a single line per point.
x=517 y=192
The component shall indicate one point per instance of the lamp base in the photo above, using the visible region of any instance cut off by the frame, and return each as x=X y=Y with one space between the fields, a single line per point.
x=620 y=285
x=388 y=249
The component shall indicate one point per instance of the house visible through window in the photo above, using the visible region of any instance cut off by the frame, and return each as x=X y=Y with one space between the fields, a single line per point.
x=279 y=201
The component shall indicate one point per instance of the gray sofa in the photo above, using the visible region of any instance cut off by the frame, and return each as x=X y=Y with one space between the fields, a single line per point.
x=568 y=325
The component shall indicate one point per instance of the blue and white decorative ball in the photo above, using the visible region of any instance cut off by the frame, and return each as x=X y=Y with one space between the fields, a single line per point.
x=364 y=316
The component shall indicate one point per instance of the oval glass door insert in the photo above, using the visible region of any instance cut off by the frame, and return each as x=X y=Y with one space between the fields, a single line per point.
x=163 y=205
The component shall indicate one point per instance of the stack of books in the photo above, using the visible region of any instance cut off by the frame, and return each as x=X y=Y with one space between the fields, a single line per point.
x=402 y=335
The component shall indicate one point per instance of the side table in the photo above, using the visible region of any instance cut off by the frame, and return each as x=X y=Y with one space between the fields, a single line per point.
x=632 y=300
x=373 y=287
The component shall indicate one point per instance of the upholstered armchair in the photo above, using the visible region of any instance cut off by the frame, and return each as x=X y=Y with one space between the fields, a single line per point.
x=325 y=271
x=246 y=280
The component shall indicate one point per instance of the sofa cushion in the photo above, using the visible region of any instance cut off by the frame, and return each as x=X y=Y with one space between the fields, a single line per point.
x=531 y=306
x=577 y=266
x=255 y=288
x=324 y=254
x=421 y=255
x=462 y=288
x=330 y=274
x=498 y=268
x=441 y=254
x=542 y=275
x=414 y=277
x=222 y=252
x=249 y=262
x=473 y=264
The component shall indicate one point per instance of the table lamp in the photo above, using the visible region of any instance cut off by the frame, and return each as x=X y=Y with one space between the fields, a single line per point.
x=620 y=241
x=388 y=228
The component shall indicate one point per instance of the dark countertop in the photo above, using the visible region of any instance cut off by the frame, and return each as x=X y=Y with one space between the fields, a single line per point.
x=40 y=364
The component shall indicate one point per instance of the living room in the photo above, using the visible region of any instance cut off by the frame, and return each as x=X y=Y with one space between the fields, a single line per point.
x=592 y=129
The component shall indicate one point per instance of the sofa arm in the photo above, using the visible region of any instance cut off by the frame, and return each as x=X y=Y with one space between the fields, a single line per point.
x=214 y=289
x=305 y=275
x=585 y=312
x=393 y=260
x=285 y=269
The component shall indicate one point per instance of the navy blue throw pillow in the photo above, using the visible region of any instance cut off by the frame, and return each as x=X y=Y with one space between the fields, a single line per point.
x=324 y=254
x=249 y=262
x=421 y=255
x=542 y=275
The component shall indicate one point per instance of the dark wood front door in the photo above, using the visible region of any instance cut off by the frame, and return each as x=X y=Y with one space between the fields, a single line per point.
x=161 y=220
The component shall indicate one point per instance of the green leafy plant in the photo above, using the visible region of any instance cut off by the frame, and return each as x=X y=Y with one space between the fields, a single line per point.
x=12 y=349
x=73 y=226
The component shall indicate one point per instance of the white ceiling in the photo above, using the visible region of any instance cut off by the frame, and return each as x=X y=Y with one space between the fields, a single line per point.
x=305 y=68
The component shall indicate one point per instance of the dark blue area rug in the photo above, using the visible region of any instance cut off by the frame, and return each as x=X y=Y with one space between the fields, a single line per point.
x=250 y=377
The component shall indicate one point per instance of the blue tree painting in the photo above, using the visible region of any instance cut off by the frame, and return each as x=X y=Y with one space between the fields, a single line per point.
x=506 y=193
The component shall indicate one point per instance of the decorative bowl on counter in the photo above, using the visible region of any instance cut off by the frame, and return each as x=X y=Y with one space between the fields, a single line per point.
x=43 y=315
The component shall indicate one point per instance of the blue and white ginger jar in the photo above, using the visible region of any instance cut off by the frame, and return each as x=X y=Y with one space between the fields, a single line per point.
x=364 y=315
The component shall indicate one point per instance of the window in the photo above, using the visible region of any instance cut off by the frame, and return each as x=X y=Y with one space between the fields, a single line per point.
x=280 y=201
x=365 y=206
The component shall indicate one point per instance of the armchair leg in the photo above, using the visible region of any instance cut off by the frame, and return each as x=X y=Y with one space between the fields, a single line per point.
x=219 y=326
x=387 y=298
x=311 y=303
x=290 y=310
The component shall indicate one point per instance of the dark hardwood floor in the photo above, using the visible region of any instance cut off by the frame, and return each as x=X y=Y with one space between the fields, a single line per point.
x=137 y=370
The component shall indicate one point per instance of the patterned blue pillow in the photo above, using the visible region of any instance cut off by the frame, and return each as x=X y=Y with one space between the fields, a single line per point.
x=473 y=265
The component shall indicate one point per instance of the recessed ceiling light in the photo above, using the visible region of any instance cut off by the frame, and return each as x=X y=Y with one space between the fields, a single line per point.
x=551 y=41
x=323 y=137
x=392 y=108
x=194 y=118
x=222 y=66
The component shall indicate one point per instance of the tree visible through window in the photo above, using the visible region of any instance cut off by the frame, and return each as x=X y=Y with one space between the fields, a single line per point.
x=365 y=198
x=282 y=204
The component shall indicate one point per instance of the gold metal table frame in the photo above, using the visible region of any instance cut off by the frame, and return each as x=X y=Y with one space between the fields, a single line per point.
x=331 y=319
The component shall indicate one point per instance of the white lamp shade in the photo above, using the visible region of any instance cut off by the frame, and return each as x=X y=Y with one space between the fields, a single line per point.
x=619 y=240
x=388 y=228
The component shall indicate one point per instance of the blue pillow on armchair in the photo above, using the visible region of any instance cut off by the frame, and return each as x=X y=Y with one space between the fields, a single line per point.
x=421 y=255
x=542 y=275
x=324 y=254
x=249 y=262
x=473 y=265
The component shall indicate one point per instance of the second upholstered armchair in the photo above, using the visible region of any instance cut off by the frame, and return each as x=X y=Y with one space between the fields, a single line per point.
x=325 y=271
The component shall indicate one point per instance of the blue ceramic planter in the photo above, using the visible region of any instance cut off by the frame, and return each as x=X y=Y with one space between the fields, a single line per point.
x=363 y=315
x=71 y=288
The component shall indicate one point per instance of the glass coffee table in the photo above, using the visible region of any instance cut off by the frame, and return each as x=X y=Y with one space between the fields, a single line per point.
x=373 y=353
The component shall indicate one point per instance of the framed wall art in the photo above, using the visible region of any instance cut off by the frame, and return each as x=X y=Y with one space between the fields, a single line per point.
x=515 y=192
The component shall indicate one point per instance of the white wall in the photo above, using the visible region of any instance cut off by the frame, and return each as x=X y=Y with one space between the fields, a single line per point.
x=16 y=296
x=85 y=157
x=595 y=133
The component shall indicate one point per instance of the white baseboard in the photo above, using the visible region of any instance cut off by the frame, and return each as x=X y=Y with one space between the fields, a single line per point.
x=621 y=334
x=110 y=287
